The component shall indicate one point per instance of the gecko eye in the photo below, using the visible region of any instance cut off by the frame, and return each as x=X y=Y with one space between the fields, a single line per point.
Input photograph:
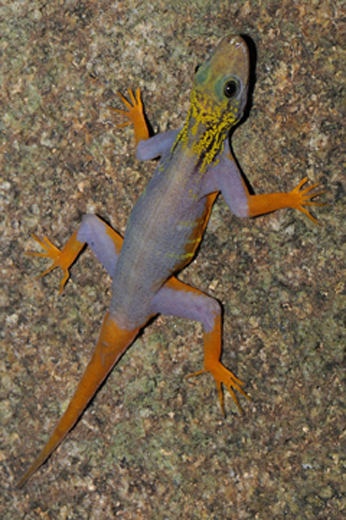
x=197 y=67
x=231 y=88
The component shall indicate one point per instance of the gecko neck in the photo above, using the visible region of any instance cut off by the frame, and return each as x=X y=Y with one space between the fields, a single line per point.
x=205 y=129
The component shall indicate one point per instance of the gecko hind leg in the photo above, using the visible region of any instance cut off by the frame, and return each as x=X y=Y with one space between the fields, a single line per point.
x=101 y=238
x=179 y=299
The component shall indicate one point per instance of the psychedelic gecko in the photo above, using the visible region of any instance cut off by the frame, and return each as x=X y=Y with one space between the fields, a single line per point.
x=166 y=226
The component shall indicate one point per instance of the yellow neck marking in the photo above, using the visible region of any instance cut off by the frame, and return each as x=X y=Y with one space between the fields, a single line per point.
x=209 y=122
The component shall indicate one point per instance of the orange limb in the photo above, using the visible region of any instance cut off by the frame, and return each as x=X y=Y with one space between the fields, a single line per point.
x=134 y=115
x=61 y=258
x=297 y=199
x=212 y=364
x=66 y=256
x=212 y=352
x=112 y=343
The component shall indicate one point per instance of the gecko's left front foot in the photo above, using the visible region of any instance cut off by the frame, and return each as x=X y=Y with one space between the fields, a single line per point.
x=134 y=107
x=134 y=115
x=224 y=376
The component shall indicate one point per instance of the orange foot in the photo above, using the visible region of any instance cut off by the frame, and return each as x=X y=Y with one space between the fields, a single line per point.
x=134 y=115
x=134 y=107
x=222 y=375
x=61 y=258
x=299 y=198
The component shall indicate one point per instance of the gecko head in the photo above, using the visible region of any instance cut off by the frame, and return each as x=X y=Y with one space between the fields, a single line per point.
x=221 y=83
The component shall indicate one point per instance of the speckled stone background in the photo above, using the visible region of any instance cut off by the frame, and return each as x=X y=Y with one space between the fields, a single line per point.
x=153 y=445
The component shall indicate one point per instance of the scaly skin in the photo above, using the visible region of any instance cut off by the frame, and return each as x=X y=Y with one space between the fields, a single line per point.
x=166 y=226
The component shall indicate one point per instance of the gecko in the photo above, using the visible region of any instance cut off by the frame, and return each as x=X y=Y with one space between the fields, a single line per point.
x=166 y=226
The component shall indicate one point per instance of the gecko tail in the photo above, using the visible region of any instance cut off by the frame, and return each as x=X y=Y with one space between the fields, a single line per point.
x=112 y=343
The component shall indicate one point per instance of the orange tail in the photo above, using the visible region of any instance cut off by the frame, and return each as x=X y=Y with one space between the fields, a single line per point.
x=113 y=341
